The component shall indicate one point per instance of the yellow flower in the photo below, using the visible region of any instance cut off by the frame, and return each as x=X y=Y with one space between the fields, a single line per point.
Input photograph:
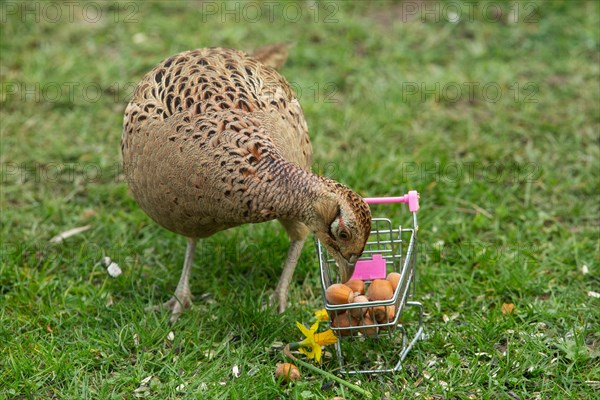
x=311 y=346
x=321 y=315
x=325 y=338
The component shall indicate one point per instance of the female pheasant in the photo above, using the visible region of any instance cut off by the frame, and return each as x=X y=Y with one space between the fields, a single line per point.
x=215 y=138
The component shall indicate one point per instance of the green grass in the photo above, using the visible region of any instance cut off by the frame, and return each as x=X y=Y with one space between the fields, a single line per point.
x=509 y=189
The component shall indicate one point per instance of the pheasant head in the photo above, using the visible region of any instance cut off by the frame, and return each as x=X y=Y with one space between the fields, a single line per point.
x=343 y=225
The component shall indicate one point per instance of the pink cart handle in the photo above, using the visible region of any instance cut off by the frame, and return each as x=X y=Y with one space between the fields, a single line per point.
x=412 y=199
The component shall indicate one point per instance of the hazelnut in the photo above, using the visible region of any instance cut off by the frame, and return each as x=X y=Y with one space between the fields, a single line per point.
x=343 y=320
x=394 y=279
x=368 y=330
x=359 y=312
x=287 y=372
x=339 y=294
x=380 y=289
x=356 y=285
x=384 y=314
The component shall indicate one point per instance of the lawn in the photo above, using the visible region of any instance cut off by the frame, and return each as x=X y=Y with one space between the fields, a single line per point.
x=491 y=110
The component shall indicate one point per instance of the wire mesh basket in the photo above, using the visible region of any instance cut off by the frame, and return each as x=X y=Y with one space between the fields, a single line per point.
x=376 y=336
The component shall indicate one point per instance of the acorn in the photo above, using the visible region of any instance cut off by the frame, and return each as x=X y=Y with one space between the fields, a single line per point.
x=380 y=289
x=339 y=294
x=359 y=312
x=287 y=372
x=394 y=279
x=384 y=314
x=356 y=285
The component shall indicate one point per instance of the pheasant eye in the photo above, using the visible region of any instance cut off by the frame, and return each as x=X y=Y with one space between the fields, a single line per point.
x=344 y=235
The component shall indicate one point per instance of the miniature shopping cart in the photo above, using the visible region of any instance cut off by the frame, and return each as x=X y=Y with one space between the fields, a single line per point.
x=366 y=344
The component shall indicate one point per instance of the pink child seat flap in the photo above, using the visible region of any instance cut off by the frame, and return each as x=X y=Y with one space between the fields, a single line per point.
x=370 y=269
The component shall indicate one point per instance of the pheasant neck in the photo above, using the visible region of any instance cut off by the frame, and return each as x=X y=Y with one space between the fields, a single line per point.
x=294 y=192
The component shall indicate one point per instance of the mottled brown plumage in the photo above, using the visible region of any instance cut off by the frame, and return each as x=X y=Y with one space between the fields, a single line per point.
x=214 y=138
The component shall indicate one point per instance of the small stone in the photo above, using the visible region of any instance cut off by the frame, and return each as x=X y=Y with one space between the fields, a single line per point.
x=584 y=269
x=114 y=270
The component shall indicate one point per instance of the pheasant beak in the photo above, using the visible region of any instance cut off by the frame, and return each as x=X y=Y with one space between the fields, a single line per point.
x=346 y=267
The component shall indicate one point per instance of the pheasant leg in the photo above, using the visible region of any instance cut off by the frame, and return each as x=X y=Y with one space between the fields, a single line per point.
x=182 y=298
x=281 y=291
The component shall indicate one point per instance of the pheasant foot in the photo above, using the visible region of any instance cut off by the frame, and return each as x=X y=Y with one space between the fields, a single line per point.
x=182 y=298
x=176 y=304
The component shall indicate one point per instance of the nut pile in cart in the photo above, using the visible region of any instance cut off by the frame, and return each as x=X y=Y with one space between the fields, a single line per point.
x=369 y=315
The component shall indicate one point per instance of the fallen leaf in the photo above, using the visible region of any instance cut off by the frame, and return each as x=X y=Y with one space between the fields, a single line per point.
x=171 y=336
x=210 y=354
x=236 y=371
x=452 y=317
x=541 y=326
x=594 y=294
x=141 y=391
x=514 y=395
x=593 y=384
x=146 y=385
x=88 y=213
x=49 y=328
x=508 y=308
x=68 y=233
